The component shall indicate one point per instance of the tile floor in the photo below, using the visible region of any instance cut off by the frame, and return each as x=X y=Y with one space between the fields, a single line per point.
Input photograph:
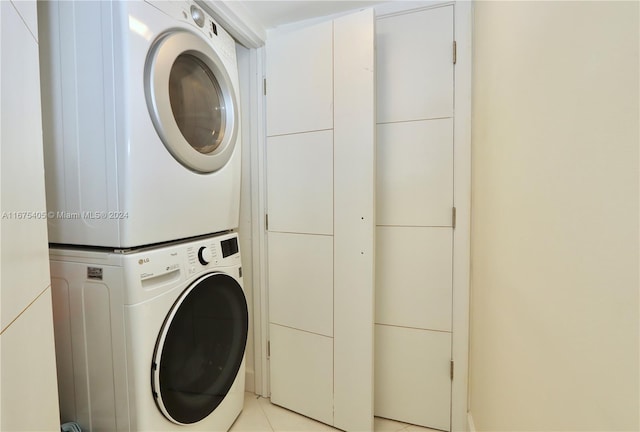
x=260 y=415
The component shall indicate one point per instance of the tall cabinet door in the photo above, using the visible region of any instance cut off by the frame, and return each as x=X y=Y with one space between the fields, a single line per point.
x=414 y=265
x=28 y=388
x=320 y=203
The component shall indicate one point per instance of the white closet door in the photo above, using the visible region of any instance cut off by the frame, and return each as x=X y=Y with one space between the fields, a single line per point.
x=300 y=218
x=415 y=54
x=415 y=173
x=354 y=220
x=24 y=223
x=415 y=387
x=300 y=80
x=414 y=277
x=299 y=296
x=302 y=372
x=300 y=182
x=28 y=387
x=320 y=205
x=414 y=244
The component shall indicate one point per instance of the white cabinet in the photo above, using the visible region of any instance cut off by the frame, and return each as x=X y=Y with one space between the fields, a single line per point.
x=29 y=397
x=24 y=250
x=300 y=80
x=316 y=179
x=415 y=173
x=300 y=182
x=415 y=386
x=414 y=208
x=302 y=372
x=415 y=53
x=301 y=277
x=414 y=271
x=29 y=385
x=320 y=167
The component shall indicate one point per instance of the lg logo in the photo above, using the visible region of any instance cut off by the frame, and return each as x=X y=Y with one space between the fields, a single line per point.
x=143 y=260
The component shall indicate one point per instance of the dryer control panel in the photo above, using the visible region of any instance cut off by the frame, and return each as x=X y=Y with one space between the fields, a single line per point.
x=196 y=15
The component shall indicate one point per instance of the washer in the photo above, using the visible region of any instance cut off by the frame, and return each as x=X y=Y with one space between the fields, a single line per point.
x=151 y=339
x=141 y=122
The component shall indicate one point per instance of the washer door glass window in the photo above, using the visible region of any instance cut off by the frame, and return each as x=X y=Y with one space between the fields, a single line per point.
x=192 y=101
x=200 y=349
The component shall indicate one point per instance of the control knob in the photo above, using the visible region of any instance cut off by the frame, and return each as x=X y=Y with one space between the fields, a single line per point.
x=204 y=255
x=197 y=15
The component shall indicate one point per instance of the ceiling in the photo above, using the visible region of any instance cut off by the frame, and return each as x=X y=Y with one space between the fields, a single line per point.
x=271 y=13
x=248 y=20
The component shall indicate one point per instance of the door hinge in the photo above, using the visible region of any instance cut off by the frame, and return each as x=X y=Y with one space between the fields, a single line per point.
x=264 y=86
x=453 y=218
x=268 y=349
x=266 y=222
x=451 y=370
x=455 y=52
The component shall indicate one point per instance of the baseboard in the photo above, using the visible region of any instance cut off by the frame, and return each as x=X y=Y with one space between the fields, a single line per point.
x=471 y=426
x=249 y=381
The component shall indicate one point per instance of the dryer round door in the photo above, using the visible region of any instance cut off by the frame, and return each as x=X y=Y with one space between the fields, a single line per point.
x=200 y=349
x=191 y=101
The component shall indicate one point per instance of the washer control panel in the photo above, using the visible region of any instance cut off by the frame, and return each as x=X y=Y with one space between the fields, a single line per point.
x=202 y=255
x=156 y=267
x=216 y=251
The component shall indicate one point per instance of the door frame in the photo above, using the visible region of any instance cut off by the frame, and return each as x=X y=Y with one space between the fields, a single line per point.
x=463 y=21
x=463 y=34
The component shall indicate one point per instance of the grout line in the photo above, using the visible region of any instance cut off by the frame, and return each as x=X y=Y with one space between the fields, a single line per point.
x=404 y=426
x=299 y=132
x=411 y=226
x=413 y=120
x=411 y=327
x=264 y=413
x=24 y=21
x=300 y=233
x=25 y=309
x=302 y=330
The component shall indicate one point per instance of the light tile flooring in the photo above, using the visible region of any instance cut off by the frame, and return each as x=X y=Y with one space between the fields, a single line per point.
x=260 y=415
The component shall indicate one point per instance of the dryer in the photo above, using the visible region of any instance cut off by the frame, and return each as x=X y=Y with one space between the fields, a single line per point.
x=141 y=122
x=151 y=340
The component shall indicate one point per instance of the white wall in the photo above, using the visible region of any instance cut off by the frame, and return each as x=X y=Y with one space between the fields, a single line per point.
x=554 y=326
x=28 y=392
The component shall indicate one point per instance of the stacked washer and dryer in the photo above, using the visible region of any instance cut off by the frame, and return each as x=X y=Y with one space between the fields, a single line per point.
x=142 y=159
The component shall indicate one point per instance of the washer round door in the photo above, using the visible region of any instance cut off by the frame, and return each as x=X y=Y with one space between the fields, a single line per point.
x=191 y=100
x=200 y=348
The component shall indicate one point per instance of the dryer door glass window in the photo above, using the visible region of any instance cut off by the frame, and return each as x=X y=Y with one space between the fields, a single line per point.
x=197 y=103
x=191 y=96
x=200 y=349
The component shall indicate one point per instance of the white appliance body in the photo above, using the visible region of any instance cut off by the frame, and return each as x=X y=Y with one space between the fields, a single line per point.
x=141 y=122
x=151 y=340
